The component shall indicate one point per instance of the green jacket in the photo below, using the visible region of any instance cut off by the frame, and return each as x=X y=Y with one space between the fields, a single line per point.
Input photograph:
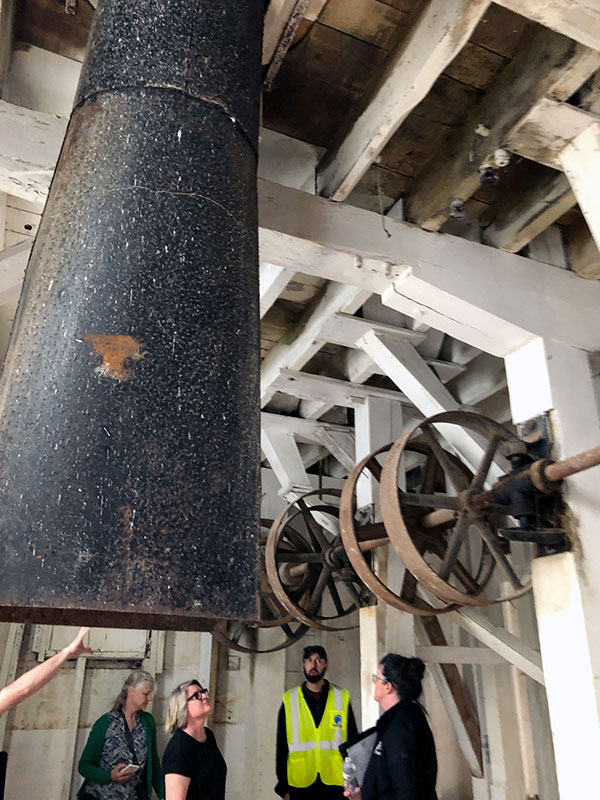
x=90 y=758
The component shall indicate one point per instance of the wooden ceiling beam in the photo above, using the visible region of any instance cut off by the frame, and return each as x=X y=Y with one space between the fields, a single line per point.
x=7 y=23
x=519 y=219
x=577 y=19
x=440 y=34
x=550 y=66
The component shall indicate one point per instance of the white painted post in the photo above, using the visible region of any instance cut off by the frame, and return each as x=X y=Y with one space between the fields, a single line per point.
x=580 y=160
x=544 y=376
x=378 y=422
x=72 y=726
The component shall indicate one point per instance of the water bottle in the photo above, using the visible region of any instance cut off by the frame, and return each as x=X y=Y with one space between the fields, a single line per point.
x=349 y=774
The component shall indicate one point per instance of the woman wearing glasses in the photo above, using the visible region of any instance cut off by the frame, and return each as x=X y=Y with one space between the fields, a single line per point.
x=193 y=765
x=403 y=764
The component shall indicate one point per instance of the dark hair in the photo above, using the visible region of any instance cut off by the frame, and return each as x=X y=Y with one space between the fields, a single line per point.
x=314 y=648
x=405 y=675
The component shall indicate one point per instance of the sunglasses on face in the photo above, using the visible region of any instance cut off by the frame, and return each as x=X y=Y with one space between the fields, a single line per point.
x=198 y=695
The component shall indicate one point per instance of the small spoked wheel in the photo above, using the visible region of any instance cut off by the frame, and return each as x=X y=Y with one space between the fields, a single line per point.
x=307 y=567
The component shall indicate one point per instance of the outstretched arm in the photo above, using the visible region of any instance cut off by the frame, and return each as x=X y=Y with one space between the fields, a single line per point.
x=39 y=676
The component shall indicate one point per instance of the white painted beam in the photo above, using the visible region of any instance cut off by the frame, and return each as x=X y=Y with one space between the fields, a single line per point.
x=30 y=143
x=13 y=262
x=440 y=34
x=272 y=282
x=443 y=280
x=346 y=330
x=486 y=376
x=500 y=641
x=581 y=162
x=306 y=342
x=547 y=129
x=320 y=388
x=577 y=19
x=438 y=654
x=306 y=430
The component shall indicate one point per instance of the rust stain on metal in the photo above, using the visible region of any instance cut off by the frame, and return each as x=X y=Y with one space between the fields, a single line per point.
x=115 y=350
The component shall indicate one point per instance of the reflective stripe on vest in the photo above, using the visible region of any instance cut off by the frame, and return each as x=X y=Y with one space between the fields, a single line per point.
x=314 y=750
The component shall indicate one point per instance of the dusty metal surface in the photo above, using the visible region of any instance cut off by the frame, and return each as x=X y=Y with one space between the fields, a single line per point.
x=129 y=416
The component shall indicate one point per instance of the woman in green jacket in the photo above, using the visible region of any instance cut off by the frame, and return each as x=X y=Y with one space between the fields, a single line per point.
x=120 y=760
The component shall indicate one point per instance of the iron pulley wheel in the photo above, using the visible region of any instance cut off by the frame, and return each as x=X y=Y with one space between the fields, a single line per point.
x=307 y=567
x=453 y=519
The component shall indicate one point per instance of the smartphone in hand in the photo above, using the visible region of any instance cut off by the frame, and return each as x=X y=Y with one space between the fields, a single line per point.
x=129 y=768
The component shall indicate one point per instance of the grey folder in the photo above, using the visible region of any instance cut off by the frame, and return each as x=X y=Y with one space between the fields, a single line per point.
x=360 y=753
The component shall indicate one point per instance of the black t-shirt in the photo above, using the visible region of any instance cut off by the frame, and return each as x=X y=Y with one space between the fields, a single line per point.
x=201 y=762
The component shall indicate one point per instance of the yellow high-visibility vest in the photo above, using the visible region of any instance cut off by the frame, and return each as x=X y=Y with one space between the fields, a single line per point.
x=314 y=751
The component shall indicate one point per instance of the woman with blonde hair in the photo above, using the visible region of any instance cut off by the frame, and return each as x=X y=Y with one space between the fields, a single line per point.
x=193 y=765
x=120 y=759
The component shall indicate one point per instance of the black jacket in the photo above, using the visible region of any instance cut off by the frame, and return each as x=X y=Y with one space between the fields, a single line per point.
x=403 y=765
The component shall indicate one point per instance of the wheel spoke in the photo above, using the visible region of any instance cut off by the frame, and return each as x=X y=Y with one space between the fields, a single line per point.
x=456 y=478
x=486 y=462
x=429 y=500
x=429 y=474
x=299 y=558
x=500 y=558
x=455 y=542
x=317 y=592
x=313 y=526
x=337 y=602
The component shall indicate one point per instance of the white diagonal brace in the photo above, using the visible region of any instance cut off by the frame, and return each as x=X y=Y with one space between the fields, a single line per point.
x=500 y=641
x=409 y=371
x=272 y=282
x=307 y=342
x=440 y=34
x=340 y=445
x=580 y=160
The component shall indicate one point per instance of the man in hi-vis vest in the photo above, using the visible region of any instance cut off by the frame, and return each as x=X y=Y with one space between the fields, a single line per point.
x=314 y=719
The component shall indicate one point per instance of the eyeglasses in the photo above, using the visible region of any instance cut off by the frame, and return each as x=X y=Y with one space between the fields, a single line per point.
x=378 y=678
x=198 y=695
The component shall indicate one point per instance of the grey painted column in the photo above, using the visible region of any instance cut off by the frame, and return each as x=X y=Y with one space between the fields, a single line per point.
x=129 y=414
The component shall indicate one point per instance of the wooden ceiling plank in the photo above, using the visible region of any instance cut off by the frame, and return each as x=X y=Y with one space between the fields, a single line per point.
x=577 y=19
x=439 y=35
x=551 y=65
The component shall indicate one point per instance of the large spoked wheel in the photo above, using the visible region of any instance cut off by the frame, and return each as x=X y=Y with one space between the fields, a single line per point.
x=307 y=567
x=465 y=546
x=360 y=540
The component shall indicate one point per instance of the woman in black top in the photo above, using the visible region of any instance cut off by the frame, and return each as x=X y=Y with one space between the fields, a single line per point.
x=193 y=765
x=403 y=765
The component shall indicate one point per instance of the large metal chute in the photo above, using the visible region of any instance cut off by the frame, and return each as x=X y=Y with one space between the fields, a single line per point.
x=129 y=415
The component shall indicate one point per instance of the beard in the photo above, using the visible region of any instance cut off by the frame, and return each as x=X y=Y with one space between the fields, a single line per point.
x=314 y=676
